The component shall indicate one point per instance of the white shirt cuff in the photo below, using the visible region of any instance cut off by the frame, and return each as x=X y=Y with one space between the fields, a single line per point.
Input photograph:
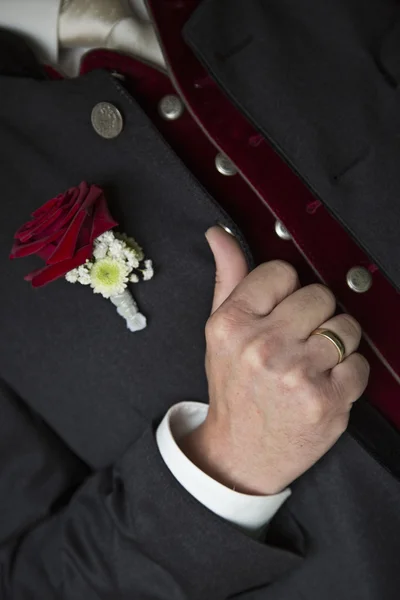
x=250 y=513
x=37 y=21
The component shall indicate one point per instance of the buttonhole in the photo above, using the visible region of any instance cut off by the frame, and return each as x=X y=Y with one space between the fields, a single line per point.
x=256 y=140
x=203 y=82
x=313 y=206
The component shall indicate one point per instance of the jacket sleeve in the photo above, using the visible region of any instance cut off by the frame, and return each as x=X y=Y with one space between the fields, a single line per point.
x=130 y=531
x=250 y=513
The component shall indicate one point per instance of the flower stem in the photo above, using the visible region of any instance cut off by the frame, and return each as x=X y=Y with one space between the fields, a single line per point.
x=128 y=309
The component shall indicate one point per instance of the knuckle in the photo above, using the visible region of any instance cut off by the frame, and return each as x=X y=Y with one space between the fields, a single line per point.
x=265 y=351
x=286 y=270
x=363 y=362
x=358 y=369
x=297 y=383
x=312 y=404
x=362 y=367
x=218 y=327
x=296 y=379
x=257 y=353
x=237 y=305
x=320 y=293
x=351 y=384
x=351 y=326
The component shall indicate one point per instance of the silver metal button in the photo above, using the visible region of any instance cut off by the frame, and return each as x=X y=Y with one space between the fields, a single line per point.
x=171 y=107
x=107 y=121
x=117 y=75
x=224 y=165
x=282 y=231
x=226 y=228
x=359 y=279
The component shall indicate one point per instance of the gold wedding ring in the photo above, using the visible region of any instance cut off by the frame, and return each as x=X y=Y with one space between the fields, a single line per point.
x=334 y=338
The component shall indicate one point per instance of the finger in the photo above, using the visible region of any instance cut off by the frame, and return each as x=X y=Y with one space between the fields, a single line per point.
x=305 y=310
x=230 y=262
x=264 y=288
x=350 y=378
x=322 y=352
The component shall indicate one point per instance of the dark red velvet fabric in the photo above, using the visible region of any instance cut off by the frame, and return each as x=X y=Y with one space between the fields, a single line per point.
x=322 y=251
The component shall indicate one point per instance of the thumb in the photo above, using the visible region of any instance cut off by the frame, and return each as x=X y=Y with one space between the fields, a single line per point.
x=230 y=262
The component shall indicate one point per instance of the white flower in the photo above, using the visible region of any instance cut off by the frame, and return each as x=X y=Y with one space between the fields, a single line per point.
x=72 y=276
x=84 y=278
x=106 y=238
x=148 y=271
x=132 y=244
x=116 y=261
x=116 y=249
x=131 y=258
x=109 y=277
x=100 y=250
x=83 y=273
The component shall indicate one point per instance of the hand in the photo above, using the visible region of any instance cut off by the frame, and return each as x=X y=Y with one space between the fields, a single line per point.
x=278 y=398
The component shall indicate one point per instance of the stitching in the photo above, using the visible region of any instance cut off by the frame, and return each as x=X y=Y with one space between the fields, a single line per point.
x=224 y=56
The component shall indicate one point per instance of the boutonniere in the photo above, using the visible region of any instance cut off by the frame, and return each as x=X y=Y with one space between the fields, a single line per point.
x=73 y=234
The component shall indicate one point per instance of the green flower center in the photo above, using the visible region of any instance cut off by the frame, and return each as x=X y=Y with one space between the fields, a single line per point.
x=106 y=272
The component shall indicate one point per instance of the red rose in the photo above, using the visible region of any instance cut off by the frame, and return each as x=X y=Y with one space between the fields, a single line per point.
x=62 y=232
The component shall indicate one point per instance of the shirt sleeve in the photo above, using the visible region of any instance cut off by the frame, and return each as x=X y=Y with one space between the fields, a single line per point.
x=250 y=513
x=37 y=21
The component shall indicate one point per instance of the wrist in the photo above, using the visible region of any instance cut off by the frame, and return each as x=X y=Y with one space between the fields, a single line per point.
x=211 y=450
